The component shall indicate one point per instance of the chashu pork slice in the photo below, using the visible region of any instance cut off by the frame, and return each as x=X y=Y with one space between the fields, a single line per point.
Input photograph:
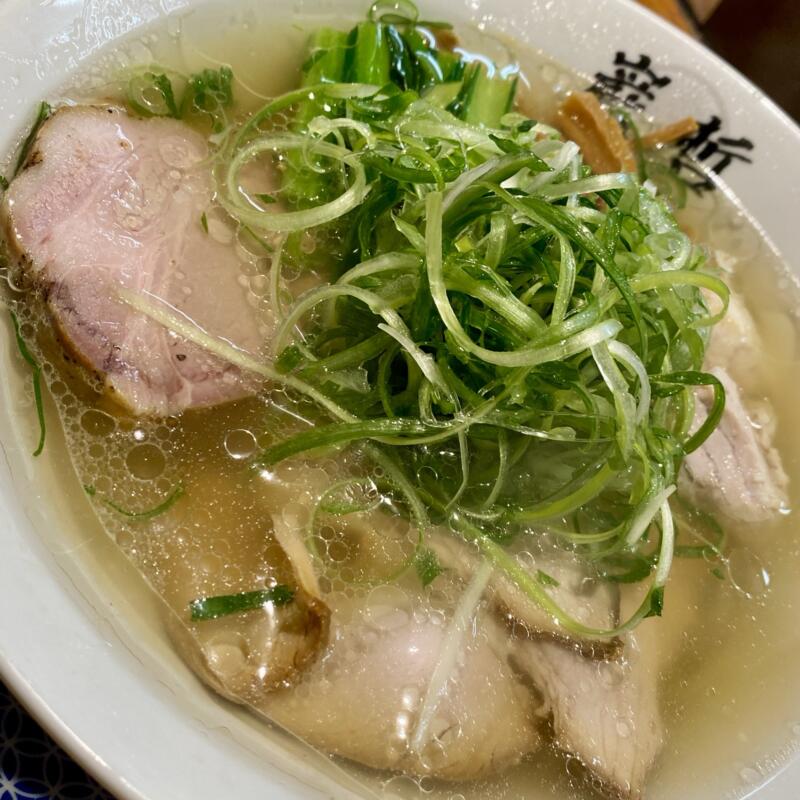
x=109 y=201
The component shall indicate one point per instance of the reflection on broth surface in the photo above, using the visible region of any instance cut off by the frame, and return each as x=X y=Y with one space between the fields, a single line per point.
x=367 y=617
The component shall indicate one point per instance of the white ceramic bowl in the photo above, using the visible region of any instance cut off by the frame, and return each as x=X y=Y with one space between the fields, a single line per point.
x=77 y=643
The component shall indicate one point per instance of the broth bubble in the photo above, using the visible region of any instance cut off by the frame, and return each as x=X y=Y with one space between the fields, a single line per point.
x=240 y=443
x=97 y=423
x=145 y=461
x=747 y=573
x=401 y=787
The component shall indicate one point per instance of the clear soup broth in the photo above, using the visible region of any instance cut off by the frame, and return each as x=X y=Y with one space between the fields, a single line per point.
x=727 y=677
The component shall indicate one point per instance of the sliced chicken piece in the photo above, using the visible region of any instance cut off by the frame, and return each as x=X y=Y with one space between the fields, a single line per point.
x=107 y=201
x=605 y=713
x=363 y=699
x=361 y=695
x=737 y=472
x=592 y=602
x=243 y=655
x=735 y=345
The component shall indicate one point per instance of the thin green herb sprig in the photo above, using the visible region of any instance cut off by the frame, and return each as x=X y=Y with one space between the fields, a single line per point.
x=152 y=92
x=147 y=514
x=36 y=378
x=43 y=113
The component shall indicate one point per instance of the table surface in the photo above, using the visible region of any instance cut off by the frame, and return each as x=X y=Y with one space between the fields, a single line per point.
x=32 y=766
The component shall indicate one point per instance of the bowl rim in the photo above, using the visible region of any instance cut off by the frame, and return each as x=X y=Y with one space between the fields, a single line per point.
x=16 y=665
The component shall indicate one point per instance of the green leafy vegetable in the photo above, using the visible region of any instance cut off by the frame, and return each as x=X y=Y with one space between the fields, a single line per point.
x=545 y=579
x=711 y=421
x=485 y=97
x=206 y=94
x=207 y=608
x=656 y=603
x=427 y=565
x=36 y=376
x=151 y=95
x=209 y=93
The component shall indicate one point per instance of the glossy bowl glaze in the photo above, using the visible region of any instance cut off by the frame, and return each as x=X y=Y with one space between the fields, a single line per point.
x=77 y=641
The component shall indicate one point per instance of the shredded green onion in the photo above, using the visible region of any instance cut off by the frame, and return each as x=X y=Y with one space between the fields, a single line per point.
x=149 y=513
x=207 y=608
x=511 y=339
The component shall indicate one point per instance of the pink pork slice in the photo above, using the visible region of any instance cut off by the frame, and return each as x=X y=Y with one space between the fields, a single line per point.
x=108 y=201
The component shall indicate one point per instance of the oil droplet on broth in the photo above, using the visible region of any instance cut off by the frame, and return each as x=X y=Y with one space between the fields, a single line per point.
x=296 y=515
x=401 y=787
x=623 y=729
x=97 y=423
x=228 y=652
x=145 y=461
x=748 y=573
x=240 y=443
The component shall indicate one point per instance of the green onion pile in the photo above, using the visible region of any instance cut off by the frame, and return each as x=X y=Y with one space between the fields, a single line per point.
x=513 y=340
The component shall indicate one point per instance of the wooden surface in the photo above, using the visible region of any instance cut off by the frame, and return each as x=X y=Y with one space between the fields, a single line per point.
x=671 y=10
x=703 y=9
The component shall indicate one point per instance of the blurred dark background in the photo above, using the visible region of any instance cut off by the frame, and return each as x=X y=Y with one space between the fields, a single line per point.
x=761 y=38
